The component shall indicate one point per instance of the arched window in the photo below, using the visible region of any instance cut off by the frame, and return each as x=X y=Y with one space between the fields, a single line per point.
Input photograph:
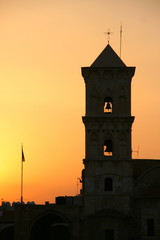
x=108 y=105
x=109 y=234
x=108 y=147
x=108 y=184
x=150 y=227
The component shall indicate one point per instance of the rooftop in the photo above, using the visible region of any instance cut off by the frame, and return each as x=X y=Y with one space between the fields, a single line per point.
x=108 y=58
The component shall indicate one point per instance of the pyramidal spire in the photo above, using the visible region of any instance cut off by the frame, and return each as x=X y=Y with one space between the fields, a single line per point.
x=108 y=58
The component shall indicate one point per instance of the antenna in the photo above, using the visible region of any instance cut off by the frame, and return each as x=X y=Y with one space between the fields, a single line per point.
x=108 y=33
x=120 y=39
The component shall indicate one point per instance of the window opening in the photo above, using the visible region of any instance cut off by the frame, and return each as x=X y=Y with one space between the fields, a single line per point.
x=108 y=184
x=108 y=147
x=109 y=234
x=150 y=227
x=108 y=105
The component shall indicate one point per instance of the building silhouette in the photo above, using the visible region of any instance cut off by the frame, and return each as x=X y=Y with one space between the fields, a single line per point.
x=120 y=196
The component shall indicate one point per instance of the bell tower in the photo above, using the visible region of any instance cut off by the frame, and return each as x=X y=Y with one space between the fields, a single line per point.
x=108 y=117
x=107 y=121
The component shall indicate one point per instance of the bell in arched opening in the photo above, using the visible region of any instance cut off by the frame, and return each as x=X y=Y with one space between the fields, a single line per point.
x=108 y=105
x=108 y=147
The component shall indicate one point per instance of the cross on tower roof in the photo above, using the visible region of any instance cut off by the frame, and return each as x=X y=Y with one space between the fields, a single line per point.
x=108 y=33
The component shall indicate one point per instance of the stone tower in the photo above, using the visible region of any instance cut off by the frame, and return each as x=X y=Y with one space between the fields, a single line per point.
x=108 y=123
x=121 y=195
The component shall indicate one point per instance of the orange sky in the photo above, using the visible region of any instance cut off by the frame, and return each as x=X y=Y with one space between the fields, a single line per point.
x=43 y=45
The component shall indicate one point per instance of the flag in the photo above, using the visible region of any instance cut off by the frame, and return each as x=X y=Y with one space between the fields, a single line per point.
x=23 y=158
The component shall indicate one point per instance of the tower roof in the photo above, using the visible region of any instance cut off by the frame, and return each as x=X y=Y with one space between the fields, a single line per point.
x=108 y=58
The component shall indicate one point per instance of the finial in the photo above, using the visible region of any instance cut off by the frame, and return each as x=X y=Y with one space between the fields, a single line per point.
x=108 y=33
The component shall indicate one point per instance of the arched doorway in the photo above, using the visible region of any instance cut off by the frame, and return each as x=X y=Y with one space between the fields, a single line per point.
x=50 y=226
x=7 y=232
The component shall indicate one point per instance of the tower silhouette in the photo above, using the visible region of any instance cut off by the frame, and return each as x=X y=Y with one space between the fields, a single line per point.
x=108 y=123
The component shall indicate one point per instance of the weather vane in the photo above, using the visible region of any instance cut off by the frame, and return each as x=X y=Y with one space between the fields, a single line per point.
x=108 y=33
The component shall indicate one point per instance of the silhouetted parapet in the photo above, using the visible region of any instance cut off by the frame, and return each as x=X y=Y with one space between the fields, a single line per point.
x=65 y=200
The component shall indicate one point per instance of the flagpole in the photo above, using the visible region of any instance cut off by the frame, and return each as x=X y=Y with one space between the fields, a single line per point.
x=22 y=161
x=22 y=180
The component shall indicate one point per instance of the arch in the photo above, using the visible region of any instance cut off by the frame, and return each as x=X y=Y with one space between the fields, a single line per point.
x=148 y=171
x=108 y=184
x=148 y=182
x=108 y=144
x=7 y=232
x=50 y=225
x=108 y=105
x=108 y=147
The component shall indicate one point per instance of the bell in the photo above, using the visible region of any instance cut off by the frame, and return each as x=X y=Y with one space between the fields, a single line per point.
x=108 y=106
x=108 y=149
x=105 y=149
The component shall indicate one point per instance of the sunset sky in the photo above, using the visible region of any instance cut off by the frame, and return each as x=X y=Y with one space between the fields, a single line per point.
x=43 y=45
